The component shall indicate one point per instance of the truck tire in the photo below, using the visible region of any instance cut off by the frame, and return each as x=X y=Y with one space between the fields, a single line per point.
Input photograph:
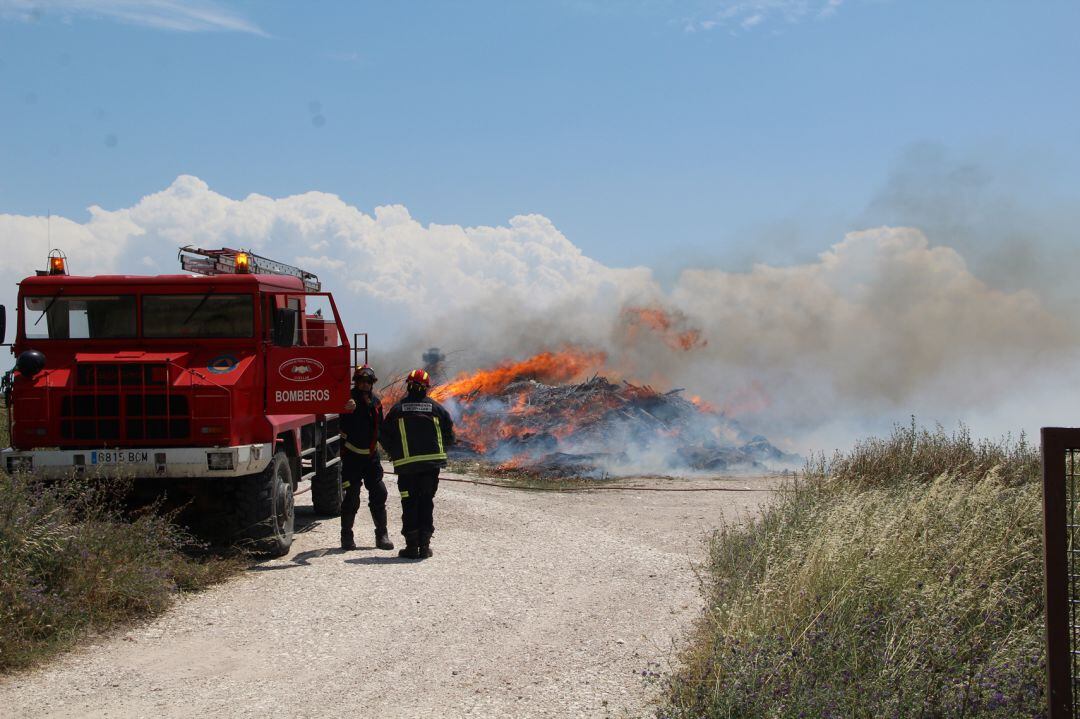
x=326 y=492
x=263 y=513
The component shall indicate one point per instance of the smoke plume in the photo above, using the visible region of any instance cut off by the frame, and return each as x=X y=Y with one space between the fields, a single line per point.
x=884 y=323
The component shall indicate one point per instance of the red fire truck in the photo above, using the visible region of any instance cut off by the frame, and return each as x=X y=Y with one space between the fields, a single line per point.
x=226 y=383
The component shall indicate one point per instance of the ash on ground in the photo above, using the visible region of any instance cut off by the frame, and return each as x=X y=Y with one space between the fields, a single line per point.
x=602 y=429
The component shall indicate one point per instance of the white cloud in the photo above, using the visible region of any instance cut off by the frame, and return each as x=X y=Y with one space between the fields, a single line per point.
x=830 y=8
x=748 y=14
x=178 y=15
x=413 y=271
x=881 y=325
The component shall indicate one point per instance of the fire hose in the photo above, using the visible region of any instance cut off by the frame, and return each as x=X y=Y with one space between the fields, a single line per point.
x=592 y=488
x=603 y=486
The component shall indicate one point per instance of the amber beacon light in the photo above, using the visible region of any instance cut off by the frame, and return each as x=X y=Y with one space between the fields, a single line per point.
x=57 y=263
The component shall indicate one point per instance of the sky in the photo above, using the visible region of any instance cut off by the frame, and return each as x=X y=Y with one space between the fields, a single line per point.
x=586 y=151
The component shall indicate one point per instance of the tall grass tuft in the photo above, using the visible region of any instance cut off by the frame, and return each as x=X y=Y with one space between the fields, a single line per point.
x=73 y=561
x=903 y=579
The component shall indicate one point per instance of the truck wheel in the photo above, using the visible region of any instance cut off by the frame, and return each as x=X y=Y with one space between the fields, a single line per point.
x=326 y=492
x=263 y=509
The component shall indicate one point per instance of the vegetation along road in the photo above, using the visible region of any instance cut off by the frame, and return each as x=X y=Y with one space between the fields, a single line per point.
x=536 y=604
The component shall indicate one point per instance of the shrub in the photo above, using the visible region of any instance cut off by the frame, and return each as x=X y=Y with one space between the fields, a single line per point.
x=902 y=579
x=72 y=561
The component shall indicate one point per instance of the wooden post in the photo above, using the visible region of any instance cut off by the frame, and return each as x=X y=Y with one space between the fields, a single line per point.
x=1056 y=443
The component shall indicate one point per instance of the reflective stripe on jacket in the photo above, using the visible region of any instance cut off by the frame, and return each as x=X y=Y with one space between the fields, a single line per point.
x=416 y=434
x=353 y=448
x=409 y=458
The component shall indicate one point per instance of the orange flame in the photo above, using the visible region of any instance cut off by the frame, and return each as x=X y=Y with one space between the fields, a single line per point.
x=652 y=317
x=670 y=327
x=565 y=365
x=483 y=430
x=510 y=422
x=702 y=405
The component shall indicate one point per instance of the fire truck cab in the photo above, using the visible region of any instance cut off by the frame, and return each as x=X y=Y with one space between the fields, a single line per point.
x=228 y=382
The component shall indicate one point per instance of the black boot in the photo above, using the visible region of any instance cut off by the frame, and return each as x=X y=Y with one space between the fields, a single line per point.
x=382 y=539
x=425 y=545
x=347 y=519
x=412 y=547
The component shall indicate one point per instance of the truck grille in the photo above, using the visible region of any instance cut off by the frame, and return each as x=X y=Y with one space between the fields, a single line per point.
x=126 y=375
x=131 y=408
x=116 y=417
x=120 y=403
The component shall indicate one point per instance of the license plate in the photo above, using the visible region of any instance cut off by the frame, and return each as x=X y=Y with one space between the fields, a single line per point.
x=119 y=456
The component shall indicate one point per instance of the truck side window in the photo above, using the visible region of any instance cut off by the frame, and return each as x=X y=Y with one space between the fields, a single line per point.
x=320 y=323
x=286 y=320
x=294 y=305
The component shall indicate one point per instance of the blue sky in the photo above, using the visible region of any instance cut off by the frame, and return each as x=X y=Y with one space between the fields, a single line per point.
x=867 y=208
x=662 y=133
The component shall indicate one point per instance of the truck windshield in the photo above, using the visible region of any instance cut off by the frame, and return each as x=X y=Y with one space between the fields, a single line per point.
x=58 y=317
x=205 y=315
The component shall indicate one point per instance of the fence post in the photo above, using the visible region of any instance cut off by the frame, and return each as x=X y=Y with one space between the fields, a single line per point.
x=1056 y=443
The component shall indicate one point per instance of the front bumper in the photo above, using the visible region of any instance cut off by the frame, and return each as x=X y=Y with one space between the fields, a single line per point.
x=235 y=461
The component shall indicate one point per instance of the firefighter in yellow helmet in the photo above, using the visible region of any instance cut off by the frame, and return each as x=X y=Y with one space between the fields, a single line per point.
x=416 y=434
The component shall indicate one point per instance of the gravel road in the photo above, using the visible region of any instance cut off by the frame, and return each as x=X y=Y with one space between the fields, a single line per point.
x=536 y=604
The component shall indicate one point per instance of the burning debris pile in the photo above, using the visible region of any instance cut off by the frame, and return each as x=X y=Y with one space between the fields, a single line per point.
x=528 y=417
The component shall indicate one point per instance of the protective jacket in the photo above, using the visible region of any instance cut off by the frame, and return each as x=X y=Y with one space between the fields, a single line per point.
x=360 y=428
x=416 y=434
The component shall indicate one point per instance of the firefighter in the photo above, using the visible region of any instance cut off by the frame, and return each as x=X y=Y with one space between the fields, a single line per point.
x=416 y=434
x=360 y=459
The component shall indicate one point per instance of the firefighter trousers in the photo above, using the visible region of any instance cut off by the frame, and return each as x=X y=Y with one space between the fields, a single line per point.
x=418 y=502
x=359 y=471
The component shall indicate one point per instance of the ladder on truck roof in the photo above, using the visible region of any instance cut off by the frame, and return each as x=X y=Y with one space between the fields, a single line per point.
x=223 y=262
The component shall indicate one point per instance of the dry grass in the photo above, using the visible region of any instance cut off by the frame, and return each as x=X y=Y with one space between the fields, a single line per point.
x=902 y=579
x=73 y=561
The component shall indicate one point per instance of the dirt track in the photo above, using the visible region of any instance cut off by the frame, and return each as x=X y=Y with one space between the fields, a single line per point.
x=535 y=605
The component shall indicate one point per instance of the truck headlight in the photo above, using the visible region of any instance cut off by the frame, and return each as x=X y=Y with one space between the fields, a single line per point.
x=219 y=460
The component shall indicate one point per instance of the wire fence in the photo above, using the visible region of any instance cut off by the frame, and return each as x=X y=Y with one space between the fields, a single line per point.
x=1061 y=532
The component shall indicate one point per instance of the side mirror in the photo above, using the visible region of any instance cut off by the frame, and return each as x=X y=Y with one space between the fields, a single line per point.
x=29 y=363
x=3 y=324
x=285 y=323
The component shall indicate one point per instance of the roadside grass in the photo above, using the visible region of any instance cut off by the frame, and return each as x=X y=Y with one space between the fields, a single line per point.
x=74 y=562
x=903 y=579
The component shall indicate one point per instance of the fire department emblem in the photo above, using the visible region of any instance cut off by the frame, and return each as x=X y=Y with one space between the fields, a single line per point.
x=222 y=364
x=301 y=369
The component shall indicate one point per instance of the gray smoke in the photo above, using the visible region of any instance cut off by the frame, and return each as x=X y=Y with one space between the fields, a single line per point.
x=969 y=204
x=946 y=315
